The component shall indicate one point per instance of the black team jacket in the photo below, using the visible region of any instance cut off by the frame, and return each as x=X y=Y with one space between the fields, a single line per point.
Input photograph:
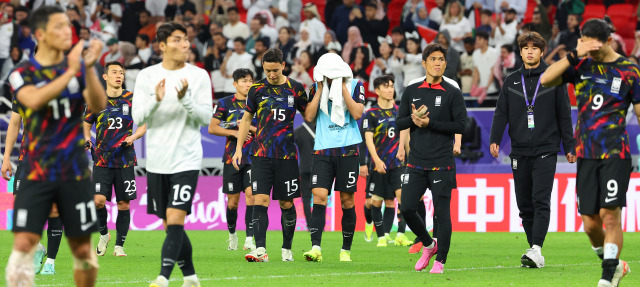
x=432 y=146
x=551 y=113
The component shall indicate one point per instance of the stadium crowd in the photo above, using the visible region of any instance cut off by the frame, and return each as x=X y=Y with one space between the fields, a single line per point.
x=374 y=37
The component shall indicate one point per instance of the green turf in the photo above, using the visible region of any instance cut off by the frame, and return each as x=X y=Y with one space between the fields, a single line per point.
x=475 y=259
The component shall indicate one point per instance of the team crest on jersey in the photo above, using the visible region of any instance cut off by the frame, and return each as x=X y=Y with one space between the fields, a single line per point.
x=372 y=186
x=514 y=164
x=362 y=93
x=314 y=179
x=230 y=185
x=73 y=86
x=291 y=101
x=365 y=124
x=438 y=101
x=615 y=85
x=125 y=109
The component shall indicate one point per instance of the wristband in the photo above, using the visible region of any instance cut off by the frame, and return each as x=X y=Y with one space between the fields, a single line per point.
x=573 y=58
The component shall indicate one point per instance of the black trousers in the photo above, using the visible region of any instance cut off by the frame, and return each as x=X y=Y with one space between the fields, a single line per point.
x=533 y=178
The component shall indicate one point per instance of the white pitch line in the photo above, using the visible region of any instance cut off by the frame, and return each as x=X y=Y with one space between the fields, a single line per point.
x=331 y=274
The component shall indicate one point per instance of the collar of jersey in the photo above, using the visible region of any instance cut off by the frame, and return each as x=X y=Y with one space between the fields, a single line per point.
x=426 y=85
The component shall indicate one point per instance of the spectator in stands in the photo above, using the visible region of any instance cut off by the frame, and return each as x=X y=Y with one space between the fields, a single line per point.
x=518 y=5
x=156 y=57
x=435 y=14
x=329 y=41
x=359 y=64
x=453 y=57
x=569 y=37
x=178 y=7
x=304 y=44
x=130 y=20
x=504 y=33
x=76 y=22
x=113 y=52
x=418 y=16
x=16 y=57
x=286 y=13
x=219 y=10
x=410 y=7
x=216 y=52
x=22 y=13
x=484 y=58
x=285 y=44
x=8 y=33
x=412 y=67
x=636 y=47
x=302 y=70
x=541 y=21
x=237 y=59
x=370 y=27
x=398 y=40
x=132 y=64
x=256 y=33
x=255 y=7
x=505 y=65
x=261 y=47
x=85 y=34
x=235 y=28
x=485 y=21
x=267 y=30
x=194 y=58
x=192 y=34
x=466 y=66
x=457 y=24
x=617 y=44
x=564 y=9
x=354 y=40
x=142 y=44
x=480 y=4
x=558 y=53
x=26 y=42
x=314 y=24
x=148 y=27
x=386 y=64
x=342 y=20
x=108 y=12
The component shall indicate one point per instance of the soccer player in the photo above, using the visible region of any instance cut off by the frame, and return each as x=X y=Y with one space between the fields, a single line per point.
x=174 y=99
x=54 y=227
x=51 y=91
x=336 y=154
x=226 y=117
x=441 y=115
x=274 y=157
x=606 y=84
x=382 y=140
x=114 y=156
x=536 y=129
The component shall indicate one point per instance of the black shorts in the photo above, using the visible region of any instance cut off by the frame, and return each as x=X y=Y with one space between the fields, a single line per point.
x=416 y=181
x=171 y=191
x=280 y=174
x=74 y=200
x=602 y=183
x=385 y=185
x=344 y=169
x=234 y=181
x=17 y=178
x=122 y=179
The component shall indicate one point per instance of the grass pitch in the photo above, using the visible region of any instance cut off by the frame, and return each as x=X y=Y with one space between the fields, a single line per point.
x=475 y=259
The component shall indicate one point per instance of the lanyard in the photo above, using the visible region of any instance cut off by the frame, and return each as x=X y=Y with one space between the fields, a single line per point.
x=526 y=99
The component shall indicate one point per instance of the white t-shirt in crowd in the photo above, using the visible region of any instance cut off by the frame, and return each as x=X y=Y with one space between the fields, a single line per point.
x=484 y=63
x=509 y=37
x=6 y=31
x=145 y=54
x=234 y=31
x=317 y=29
x=237 y=61
x=457 y=30
x=173 y=126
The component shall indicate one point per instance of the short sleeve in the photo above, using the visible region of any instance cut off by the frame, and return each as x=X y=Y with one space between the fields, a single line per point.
x=635 y=86
x=14 y=104
x=89 y=117
x=220 y=110
x=358 y=93
x=369 y=122
x=20 y=78
x=301 y=98
x=312 y=92
x=252 y=104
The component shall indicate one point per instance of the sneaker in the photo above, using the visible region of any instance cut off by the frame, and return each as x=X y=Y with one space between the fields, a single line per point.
x=402 y=240
x=233 y=241
x=160 y=282
x=437 y=267
x=345 y=255
x=119 y=251
x=287 y=255
x=257 y=255
x=389 y=239
x=368 y=231
x=49 y=269
x=101 y=250
x=39 y=257
x=415 y=248
x=248 y=244
x=621 y=270
x=382 y=242
x=191 y=281
x=532 y=259
x=314 y=255
x=427 y=253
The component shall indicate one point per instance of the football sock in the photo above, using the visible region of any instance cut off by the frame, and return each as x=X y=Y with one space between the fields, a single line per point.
x=348 y=227
x=102 y=221
x=288 y=219
x=248 y=220
x=122 y=226
x=318 y=217
x=171 y=248
x=54 y=236
x=260 y=224
x=376 y=215
x=232 y=219
x=185 y=259
x=388 y=216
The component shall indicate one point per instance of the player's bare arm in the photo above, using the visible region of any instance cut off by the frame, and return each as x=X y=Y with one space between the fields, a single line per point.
x=355 y=109
x=243 y=130
x=94 y=93
x=140 y=131
x=12 y=136
x=553 y=75
x=380 y=167
x=312 y=107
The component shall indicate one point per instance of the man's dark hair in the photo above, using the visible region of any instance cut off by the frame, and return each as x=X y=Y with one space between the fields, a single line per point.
x=261 y=19
x=483 y=35
x=509 y=47
x=579 y=16
x=218 y=34
x=144 y=37
x=468 y=40
x=487 y=12
x=431 y=48
x=397 y=30
x=40 y=18
x=166 y=29
x=232 y=9
x=384 y=79
x=145 y=11
x=70 y=7
x=273 y=55
x=24 y=23
x=599 y=29
x=241 y=74
x=112 y=63
x=85 y=28
x=533 y=38
x=240 y=40
x=265 y=41
x=531 y=27
x=23 y=9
